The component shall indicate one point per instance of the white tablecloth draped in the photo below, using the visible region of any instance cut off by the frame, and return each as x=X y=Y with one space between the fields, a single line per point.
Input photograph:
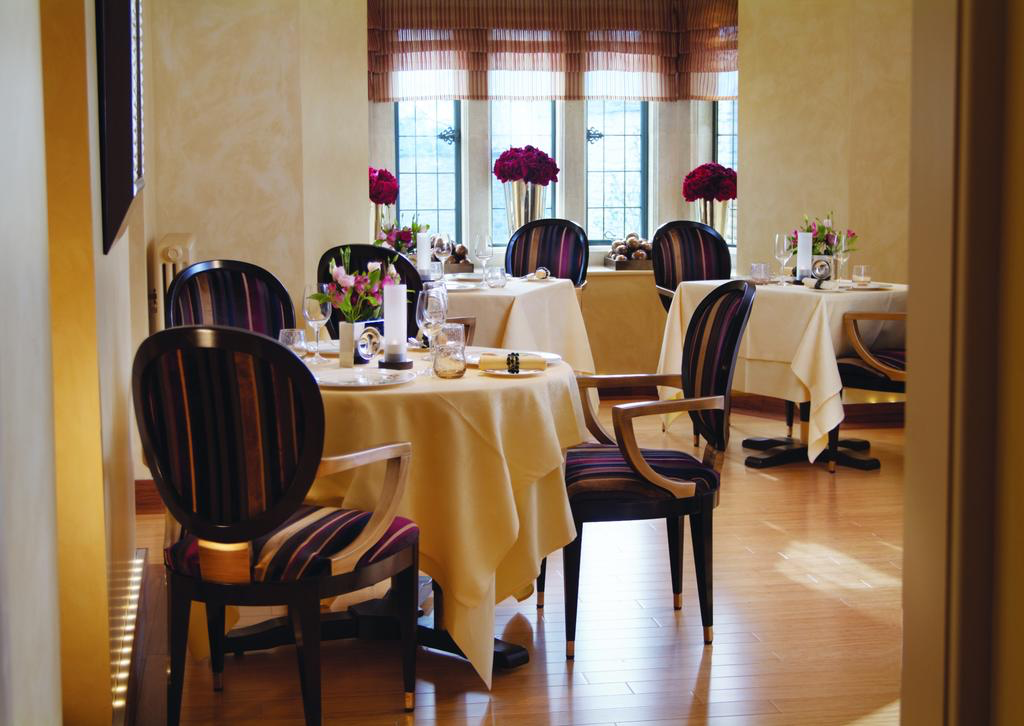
x=791 y=344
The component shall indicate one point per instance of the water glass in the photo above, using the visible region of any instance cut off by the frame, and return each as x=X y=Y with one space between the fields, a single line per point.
x=760 y=273
x=294 y=339
x=483 y=249
x=442 y=248
x=841 y=253
x=317 y=313
x=861 y=274
x=495 y=276
x=450 y=351
x=431 y=311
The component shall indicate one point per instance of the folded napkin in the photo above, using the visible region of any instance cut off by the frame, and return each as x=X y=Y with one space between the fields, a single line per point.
x=820 y=284
x=513 y=362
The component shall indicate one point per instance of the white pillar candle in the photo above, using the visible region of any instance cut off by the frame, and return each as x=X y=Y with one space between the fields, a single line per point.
x=395 y=325
x=803 y=252
x=423 y=251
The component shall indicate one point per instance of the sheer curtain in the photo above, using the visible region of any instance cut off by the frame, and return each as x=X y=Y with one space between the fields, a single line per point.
x=655 y=50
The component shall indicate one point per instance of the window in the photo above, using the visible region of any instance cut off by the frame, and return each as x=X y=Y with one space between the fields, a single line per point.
x=428 y=146
x=616 y=169
x=725 y=153
x=518 y=123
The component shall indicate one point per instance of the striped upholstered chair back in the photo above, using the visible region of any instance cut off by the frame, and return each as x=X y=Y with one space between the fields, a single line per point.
x=359 y=257
x=709 y=354
x=232 y=293
x=557 y=244
x=684 y=250
x=232 y=425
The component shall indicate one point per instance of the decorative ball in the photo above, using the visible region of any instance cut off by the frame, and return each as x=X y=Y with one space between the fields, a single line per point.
x=461 y=252
x=639 y=255
x=632 y=235
x=621 y=258
x=646 y=247
x=633 y=243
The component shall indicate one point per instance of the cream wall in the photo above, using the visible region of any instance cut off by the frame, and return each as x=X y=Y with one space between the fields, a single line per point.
x=824 y=123
x=261 y=116
x=29 y=651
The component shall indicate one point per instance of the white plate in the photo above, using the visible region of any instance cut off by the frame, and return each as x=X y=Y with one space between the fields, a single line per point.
x=352 y=378
x=466 y=276
x=473 y=354
x=462 y=286
x=869 y=286
x=506 y=374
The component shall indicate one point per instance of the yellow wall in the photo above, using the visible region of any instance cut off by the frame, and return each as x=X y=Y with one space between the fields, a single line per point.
x=90 y=326
x=29 y=650
x=261 y=120
x=824 y=123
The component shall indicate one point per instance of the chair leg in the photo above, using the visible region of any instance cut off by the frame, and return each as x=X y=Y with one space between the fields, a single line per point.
x=179 y=606
x=675 y=559
x=215 y=629
x=700 y=533
x=405 y=585
x=833 y=449
x=790 y=410
x=304 y=613
x=540 y=583
x=696 y=438
x=571 y=577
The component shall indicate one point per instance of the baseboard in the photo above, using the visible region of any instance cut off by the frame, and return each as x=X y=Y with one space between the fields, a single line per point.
x=147 y=499
x=131 y=630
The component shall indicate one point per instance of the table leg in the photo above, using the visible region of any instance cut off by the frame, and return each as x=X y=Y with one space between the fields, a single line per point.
x=780 y=450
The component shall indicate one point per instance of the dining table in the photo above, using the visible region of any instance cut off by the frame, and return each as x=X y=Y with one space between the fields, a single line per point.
x=486 y=483
x=790 y=349
x=525 y=314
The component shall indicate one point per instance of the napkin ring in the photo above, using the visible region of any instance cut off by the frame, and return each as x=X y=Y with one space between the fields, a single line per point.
x=512 y=361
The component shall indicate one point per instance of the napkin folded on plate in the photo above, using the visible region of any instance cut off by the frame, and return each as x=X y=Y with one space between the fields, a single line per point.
x=500 y=362
x=825 y=284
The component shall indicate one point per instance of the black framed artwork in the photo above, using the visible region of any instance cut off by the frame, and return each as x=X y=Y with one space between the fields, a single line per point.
x=119 y=74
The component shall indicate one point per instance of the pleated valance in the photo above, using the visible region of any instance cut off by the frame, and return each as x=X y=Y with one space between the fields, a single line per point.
x=656 y=50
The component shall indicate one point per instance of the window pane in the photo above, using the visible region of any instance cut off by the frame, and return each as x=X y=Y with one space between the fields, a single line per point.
x=726 y=125
x=518 y=123
x=428 y=149
x=616 y=169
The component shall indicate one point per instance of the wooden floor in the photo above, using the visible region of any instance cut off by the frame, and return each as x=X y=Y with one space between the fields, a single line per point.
x=807 y=621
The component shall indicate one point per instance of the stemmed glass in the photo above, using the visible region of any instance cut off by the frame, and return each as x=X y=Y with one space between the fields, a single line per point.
x=442 y=249
x=783 y=251
x=317 y=314
x=484 y=250
x=431 y=312
x=842 y=254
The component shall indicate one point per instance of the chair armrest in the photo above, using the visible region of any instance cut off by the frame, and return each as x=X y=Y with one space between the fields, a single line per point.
x=665 y=292
x=397 y=457
x=640 y=380
x=622 y=418
x=862 y=351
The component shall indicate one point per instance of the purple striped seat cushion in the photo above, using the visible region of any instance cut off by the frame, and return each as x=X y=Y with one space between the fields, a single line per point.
x=303 y=545
x=856 y=373
x=599 y=471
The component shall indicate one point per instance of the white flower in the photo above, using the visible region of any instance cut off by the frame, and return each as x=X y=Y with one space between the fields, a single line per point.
x=371 y=266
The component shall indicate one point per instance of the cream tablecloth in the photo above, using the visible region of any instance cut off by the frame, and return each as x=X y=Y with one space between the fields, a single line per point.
x=486 y=484
x=528 y=316
x=791 y=343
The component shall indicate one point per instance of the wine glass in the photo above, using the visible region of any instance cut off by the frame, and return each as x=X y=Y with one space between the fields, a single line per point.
x=842 y=254
x=783 y=251
x=431 y=311
x=483 y=249
x=317 y=313
x=442 y=249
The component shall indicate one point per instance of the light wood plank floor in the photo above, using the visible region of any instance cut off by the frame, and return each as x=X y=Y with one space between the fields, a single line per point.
x=807 y=621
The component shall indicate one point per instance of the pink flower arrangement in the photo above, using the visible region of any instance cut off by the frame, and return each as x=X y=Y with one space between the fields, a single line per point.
x=710 y=181
x=528 y=164
x=400 y=239
x=823 y=235
x=383 y=186
x=357 y=295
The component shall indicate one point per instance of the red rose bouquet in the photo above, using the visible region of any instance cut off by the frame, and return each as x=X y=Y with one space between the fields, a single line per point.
x=710 y=182
x=383 y=186
x=528 y=164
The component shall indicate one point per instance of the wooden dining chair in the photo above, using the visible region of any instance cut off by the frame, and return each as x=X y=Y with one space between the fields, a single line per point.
x=232 y=424
x=557 y=244
x=883 y=370
x=615 y=480
x=685 y=250
x=232 y=293
x=359 y=256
